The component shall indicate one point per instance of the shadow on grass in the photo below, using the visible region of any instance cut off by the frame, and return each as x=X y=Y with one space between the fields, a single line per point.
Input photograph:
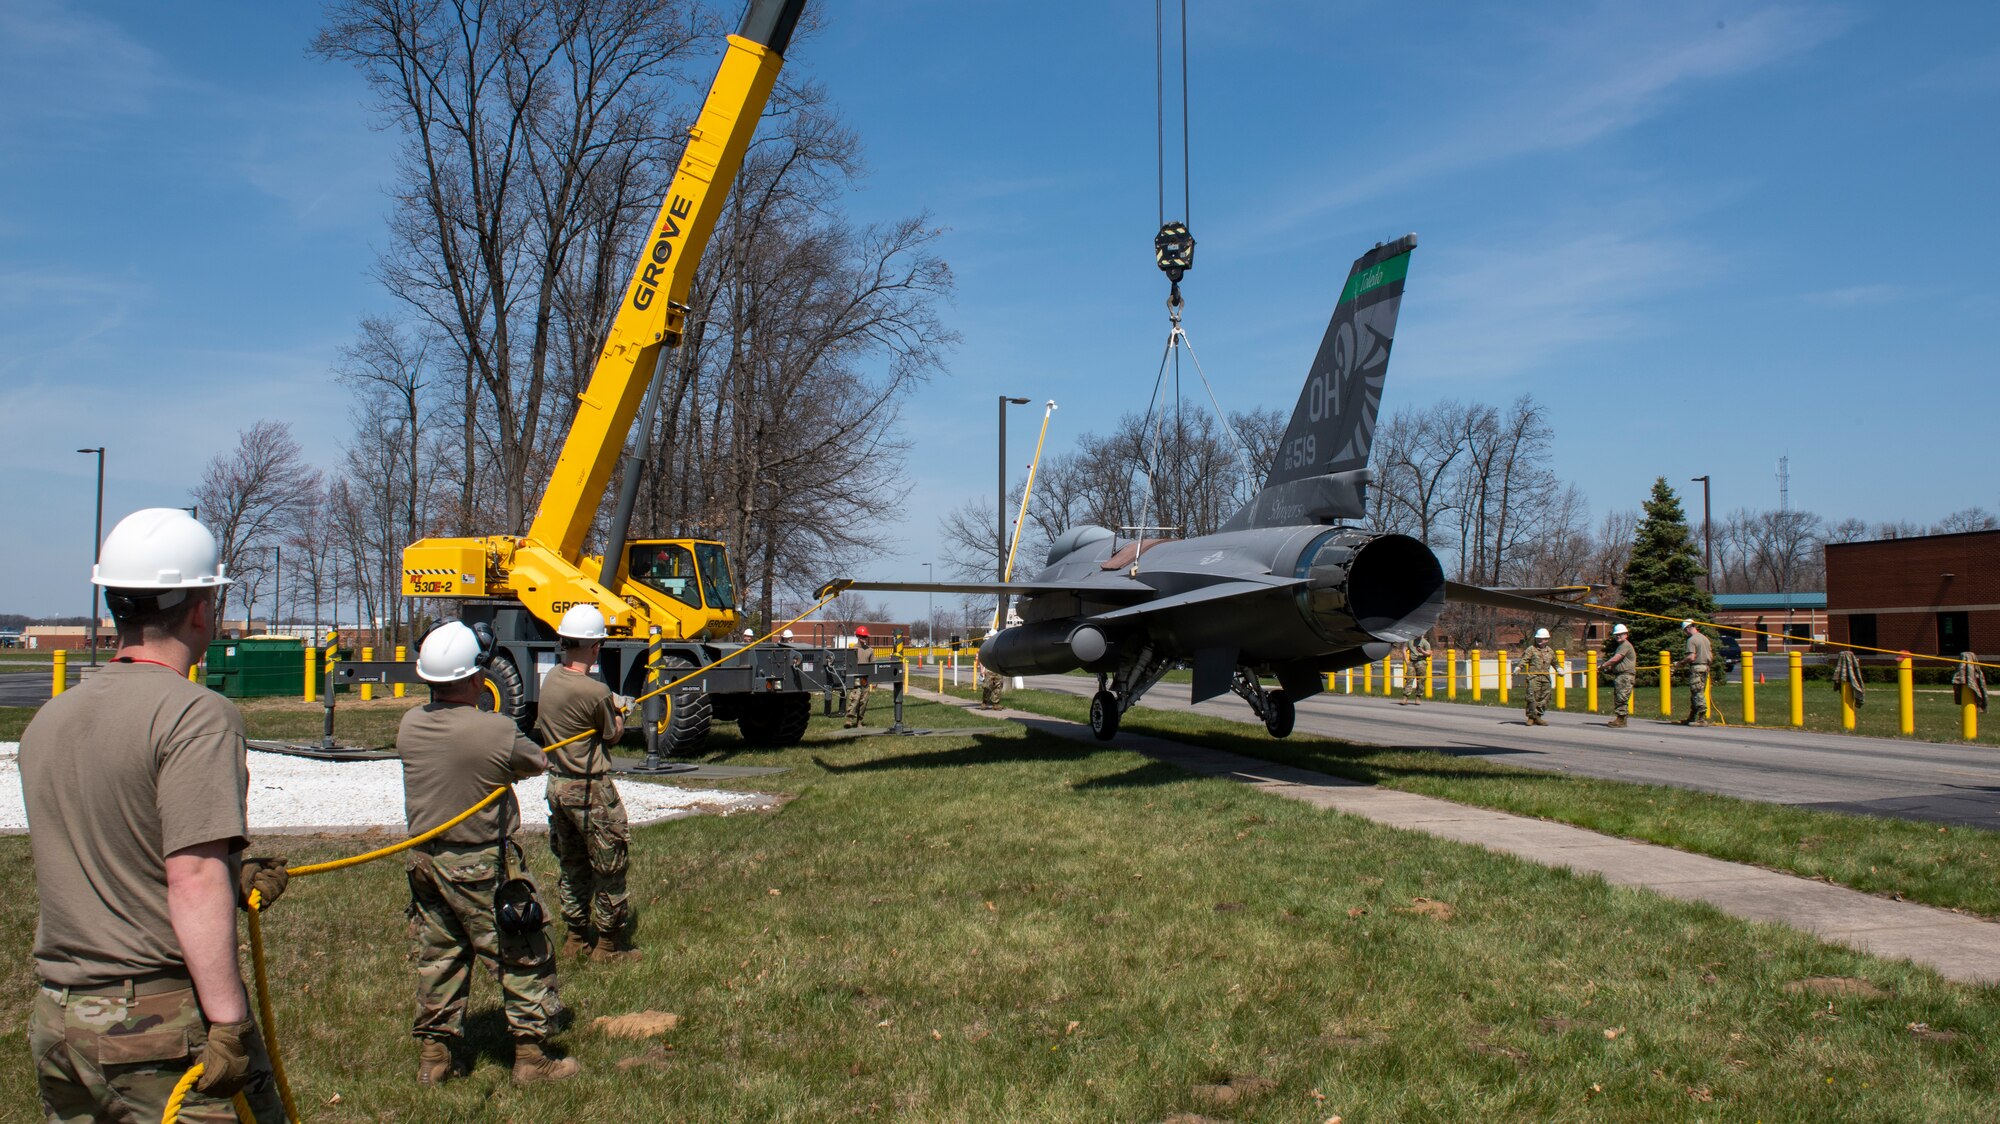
x=984 y=750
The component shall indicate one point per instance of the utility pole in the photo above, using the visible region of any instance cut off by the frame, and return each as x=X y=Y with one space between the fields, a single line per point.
x=1707 y=544
x=930 y=606
x=277 y=584
x=1000 y=513
x=96 y=550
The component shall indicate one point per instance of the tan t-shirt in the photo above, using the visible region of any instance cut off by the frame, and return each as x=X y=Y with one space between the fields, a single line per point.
x=452 y=757
x=1700 y=652
x=117 y=774
x=571 y=703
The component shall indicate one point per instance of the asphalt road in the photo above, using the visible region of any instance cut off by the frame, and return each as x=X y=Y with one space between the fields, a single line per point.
x=1907 y=779
x=29 y=688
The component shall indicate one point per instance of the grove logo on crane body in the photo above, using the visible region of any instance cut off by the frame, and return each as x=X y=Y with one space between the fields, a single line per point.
x=661 y=253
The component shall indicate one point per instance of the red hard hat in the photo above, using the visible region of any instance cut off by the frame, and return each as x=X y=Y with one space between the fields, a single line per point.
x=860 y=630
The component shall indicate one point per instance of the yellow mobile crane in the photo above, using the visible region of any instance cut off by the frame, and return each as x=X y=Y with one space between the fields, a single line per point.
x=662 y=597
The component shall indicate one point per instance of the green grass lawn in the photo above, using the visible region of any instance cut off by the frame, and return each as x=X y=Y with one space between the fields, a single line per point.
x=1956 y=868
x=1002 y=926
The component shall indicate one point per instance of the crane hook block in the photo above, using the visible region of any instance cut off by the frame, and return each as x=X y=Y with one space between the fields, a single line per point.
x=1173 y=249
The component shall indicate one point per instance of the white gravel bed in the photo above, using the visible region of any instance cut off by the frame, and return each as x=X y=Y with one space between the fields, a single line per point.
x=296 y=793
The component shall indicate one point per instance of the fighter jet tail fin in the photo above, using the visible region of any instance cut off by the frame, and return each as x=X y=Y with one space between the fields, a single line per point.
x=1321 y=466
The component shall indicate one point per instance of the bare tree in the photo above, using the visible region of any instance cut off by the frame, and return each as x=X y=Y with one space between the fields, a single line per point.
x=251 y=495
x=1966 y=519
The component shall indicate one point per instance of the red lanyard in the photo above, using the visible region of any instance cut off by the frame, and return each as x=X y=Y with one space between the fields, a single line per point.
x=141 y=659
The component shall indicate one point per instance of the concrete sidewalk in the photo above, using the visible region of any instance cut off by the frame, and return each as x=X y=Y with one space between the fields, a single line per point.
x=1957 y=947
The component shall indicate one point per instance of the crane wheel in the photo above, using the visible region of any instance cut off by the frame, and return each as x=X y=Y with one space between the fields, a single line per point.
x=775 y=720
x=506 y=692
x=687 y=725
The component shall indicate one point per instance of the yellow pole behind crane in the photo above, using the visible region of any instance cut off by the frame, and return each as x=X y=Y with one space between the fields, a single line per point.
x=1798 y=677
x=1666 y=685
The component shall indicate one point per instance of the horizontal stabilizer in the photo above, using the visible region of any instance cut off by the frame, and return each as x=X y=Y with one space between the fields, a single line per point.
x=1504 y=599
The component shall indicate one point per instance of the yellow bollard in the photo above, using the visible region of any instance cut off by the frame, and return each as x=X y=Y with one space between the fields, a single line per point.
x=1708 y=696
x=1388 y=677
x=1590 y=680
x=1367 y=678
x=1430 y=672
x=1666 y=685
x=1749 y=689
x=1798 y=676
x=312 y=674
x=1505 y=675
x=1472 y=673
x=402 y=654
x=1451 y=673
x=1968 y=722
x=59 y=670
x=940 y=676
x=1562 y=680
x=367 y=689
x=1906 y=701
x=191 y=671
x=1847 y=706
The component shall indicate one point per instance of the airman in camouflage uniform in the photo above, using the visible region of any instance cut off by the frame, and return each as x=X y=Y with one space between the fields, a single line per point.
x=991 y=684
x=1623 y=667
x=135 y=785
x=1700 y=654
x=587 y=827
x=857 y=687
x=1537 y=664
x=453 y=755
x=1416 y=668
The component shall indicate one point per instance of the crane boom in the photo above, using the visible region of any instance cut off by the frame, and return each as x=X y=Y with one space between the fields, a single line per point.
x=652 y=315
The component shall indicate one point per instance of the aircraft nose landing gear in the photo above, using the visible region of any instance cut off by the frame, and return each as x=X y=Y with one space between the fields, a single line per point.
x=1104 y=715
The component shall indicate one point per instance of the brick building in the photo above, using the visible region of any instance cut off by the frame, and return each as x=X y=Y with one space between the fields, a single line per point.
x=1777 y=622
x=1932 y=594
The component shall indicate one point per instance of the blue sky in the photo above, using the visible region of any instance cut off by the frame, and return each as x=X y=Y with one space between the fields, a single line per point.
x=1703 y=234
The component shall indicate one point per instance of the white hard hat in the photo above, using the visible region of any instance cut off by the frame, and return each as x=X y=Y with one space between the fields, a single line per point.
x=159 y=548
x=788 y=634
x=1541 y=634
x=450 y=653
x=582 y=622
x=749 y=634
x=1619 y=630
x=1687 y=624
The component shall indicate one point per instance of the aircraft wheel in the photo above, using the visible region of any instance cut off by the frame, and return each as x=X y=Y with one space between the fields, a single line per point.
x=1279 y=714
x=1104 y=715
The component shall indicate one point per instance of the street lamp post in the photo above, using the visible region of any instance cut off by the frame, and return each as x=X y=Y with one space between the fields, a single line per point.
x=1707 y=544
x=1000 y=512
x=930 y=606
x=96 y=549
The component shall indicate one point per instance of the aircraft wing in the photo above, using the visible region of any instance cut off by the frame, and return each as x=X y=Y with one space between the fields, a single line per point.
x=1516 y=601
x=1107 y=589
x=1206 y=595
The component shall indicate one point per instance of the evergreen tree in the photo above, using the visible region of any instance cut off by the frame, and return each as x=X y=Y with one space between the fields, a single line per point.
x=1663 y=577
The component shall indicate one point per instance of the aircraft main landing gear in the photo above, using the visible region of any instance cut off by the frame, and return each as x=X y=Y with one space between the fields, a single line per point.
x=1279 y=714
x=1104 y=714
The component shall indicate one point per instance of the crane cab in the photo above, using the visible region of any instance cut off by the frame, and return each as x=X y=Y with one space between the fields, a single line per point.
x=690 y=575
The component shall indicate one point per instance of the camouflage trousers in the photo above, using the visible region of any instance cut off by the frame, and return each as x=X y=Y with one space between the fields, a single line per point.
x=110 y=1057
x=591 y=840
x=857 y=702
x=1698 y=693
x=452 y=925
x=1414 y=674
x=990 y=687
x=1538 y=689
x=1621 y=694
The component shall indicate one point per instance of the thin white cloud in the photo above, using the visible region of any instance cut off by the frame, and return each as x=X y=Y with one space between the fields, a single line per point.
x=1600 y=74
x=63 y=65
x=1503 y=310
x=1853 y=296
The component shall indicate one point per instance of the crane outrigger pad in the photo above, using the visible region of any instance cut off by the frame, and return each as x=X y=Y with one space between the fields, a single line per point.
x=319 y=752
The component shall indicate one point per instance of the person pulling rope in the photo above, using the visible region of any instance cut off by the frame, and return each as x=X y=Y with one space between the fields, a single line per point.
x=1968 y=683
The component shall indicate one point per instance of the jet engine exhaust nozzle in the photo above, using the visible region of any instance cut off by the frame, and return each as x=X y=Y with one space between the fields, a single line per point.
x=1371 y=587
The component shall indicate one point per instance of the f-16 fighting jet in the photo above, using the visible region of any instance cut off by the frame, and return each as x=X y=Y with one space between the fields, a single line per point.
x=1286 y=588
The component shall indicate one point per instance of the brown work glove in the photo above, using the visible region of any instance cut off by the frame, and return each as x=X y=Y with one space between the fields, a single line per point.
x=225 y=1061
x=266 y=876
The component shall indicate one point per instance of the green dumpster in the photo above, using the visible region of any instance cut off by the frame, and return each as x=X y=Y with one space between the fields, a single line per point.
x=258 y=667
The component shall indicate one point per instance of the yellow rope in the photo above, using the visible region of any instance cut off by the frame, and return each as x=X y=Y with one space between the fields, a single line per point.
x=264 y=1005
x=264 y=1015
x=1780 y=636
